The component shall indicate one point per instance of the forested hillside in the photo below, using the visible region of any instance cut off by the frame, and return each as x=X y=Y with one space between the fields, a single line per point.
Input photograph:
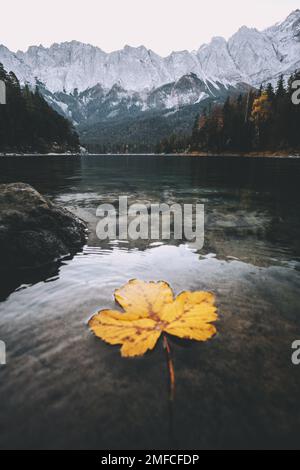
x=264 y=120
x=29 y=124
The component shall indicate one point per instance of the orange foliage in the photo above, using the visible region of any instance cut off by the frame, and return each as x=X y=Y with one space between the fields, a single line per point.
x=261 y=109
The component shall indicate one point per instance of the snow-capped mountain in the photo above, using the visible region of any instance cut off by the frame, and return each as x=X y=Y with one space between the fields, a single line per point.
x=250 y=56
x=286 y=39
x=97 y=104
x=95 y=88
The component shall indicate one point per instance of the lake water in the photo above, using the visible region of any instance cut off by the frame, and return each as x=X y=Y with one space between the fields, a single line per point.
x=63 y=388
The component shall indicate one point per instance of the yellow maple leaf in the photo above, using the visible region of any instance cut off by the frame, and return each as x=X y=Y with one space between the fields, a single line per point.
x=150 y=310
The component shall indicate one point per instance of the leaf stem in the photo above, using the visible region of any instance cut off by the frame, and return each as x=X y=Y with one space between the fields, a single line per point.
x=170 y=368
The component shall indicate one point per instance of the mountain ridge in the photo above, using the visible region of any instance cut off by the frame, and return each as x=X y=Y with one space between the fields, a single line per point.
x=75 y=65
x=135 y=96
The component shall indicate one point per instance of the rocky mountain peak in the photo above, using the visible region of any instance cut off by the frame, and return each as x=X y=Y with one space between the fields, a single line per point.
x=250 y=56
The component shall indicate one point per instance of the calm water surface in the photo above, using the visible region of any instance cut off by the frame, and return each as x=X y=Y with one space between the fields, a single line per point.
x=63 y=388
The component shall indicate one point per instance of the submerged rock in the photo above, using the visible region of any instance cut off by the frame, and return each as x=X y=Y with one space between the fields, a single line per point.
x=34 y=231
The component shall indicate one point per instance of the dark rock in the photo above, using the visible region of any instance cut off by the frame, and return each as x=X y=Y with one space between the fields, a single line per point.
x=33 y=231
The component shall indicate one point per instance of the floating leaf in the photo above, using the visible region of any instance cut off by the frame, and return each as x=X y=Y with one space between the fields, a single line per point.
x=150 y=310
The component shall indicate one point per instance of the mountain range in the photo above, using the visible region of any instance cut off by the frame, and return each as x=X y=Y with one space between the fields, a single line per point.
x=135 y=95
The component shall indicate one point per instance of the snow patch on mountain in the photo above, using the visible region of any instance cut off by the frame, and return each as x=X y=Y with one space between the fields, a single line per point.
x=286 y=39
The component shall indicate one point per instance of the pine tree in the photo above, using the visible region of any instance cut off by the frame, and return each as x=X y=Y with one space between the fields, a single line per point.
x=280 y=89
x=270 y=92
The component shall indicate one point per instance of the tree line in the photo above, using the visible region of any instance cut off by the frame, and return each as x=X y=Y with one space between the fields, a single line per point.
x=29 y=124
x=261 y=120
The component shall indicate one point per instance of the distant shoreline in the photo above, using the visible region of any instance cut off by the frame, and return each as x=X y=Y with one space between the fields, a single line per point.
x=266 y=154
x=190 y=155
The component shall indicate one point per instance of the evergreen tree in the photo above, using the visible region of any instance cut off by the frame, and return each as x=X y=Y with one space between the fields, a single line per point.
x=280 y=90
x=270 y=92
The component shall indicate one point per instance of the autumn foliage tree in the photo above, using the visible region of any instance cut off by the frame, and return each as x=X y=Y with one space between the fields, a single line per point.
x=262 y=115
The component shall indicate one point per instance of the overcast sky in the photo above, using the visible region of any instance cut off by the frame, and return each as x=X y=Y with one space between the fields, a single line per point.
x=161 y=25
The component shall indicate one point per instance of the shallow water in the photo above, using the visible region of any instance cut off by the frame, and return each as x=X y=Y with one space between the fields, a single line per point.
x=63 y=388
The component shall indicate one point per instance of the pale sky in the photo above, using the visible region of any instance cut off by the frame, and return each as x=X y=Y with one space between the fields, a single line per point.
x=160 y=25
